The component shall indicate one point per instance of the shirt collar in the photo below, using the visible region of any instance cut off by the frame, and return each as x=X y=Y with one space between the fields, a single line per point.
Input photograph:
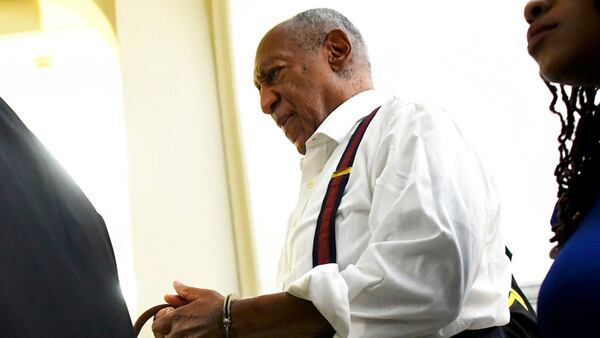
x=337 y=125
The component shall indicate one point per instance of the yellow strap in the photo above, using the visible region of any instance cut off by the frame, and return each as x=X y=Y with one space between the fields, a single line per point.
x=512 y=296
x=341 y=172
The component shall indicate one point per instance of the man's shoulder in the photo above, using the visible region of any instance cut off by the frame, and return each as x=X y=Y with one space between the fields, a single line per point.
x=405 y=114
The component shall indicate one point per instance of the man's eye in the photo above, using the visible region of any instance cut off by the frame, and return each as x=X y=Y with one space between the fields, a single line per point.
x=272 y=75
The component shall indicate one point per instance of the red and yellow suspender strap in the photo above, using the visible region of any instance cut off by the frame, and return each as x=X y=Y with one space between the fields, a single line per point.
x=324 y=248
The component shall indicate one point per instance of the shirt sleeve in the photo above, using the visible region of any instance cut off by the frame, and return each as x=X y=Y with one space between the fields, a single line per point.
x=431 y=206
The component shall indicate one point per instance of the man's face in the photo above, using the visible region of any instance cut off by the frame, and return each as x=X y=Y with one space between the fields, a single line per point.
x=293 y=85
x=564 y=39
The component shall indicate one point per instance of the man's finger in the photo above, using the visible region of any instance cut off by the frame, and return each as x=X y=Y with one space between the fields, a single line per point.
x=175 y=300
x=163 y=312
x=162 y=322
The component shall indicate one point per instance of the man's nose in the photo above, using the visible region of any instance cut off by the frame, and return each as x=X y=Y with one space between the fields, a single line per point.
x=535 y=8
x=268 y=99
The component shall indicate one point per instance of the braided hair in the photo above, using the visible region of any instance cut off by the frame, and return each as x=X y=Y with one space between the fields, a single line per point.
x=578 y=170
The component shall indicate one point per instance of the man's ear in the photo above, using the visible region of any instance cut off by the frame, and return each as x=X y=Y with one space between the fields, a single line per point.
x=338 y=47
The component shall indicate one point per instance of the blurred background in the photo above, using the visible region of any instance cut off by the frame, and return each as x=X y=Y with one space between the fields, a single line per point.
x=150 y=106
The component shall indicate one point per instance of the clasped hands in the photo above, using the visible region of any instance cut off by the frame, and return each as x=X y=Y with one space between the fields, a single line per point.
x=193 y=313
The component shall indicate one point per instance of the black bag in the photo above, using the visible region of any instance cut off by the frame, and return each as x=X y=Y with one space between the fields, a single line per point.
x=523 y=320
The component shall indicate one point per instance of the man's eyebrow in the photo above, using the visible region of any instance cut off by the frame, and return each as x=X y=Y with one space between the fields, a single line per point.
x=259 y=73
x=258 y=78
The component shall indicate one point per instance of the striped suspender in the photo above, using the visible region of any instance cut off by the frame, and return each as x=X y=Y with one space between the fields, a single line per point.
x=324 y=250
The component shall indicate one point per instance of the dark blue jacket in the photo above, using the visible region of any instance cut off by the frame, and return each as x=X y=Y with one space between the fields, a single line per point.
x=58 y=276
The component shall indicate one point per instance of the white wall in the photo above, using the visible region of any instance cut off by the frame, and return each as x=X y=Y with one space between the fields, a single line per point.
x=180 y=209
x=467 y=56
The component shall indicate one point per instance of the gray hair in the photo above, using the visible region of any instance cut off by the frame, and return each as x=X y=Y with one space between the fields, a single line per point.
x=310 y=28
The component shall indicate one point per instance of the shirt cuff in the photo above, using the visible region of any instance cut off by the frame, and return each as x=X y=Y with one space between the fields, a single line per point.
x=327 y=290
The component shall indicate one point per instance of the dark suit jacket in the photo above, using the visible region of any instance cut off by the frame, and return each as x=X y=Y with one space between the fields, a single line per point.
x=58 y=276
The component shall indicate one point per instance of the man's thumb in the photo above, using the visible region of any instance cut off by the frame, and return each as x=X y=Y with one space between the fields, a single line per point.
x=186 y=292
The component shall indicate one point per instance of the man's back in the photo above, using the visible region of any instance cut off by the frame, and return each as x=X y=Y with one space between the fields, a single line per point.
x=59 y=273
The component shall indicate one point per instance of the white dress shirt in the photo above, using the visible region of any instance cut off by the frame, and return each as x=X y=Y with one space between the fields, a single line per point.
x=419 y=250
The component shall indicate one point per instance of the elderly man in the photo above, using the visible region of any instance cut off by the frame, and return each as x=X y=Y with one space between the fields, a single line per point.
x=395 y=233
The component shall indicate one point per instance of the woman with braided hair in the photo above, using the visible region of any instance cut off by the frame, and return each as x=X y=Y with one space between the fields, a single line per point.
x=564 y=39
